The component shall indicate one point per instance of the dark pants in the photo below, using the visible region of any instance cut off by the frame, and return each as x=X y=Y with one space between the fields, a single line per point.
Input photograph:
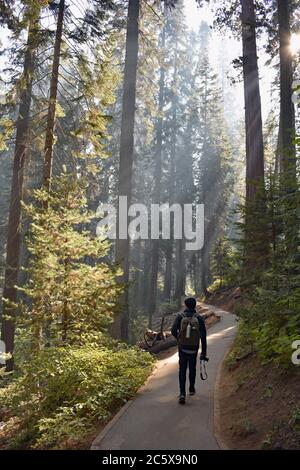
x=186 y=360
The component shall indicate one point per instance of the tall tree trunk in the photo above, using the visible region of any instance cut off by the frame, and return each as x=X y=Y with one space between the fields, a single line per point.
x=144 y=291
x=253 y=119
x=287 y=149
x=49 y=138
x=205 y=254
x=169 y=253
x=120 y=327
x=278 y=160
x=185 y=192
x=203 y=277
x=197 y=283
x=14 y=241
x=168 y=272
x=180 y=273
x=179 y=252
x=287 y=113
x=256 y=243
x=141 y=277
x=157 y=185
x=137 y=277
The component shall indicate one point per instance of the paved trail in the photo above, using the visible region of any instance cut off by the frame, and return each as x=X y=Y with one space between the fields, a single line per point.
x=154 y=420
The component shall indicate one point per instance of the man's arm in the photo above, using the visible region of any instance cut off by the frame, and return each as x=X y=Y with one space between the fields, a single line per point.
x=176 y=325
x=202 y=328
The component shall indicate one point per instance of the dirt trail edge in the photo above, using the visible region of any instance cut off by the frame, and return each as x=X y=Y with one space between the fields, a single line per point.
x=154 y=420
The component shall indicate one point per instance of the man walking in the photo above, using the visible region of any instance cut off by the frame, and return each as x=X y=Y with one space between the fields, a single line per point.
x=188 y=328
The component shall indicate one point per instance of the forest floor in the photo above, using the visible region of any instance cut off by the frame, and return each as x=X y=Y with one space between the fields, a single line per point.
x=259 y=404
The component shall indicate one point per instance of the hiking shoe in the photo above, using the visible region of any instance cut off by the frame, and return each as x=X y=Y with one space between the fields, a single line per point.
x=192 y=391
x=181 y=400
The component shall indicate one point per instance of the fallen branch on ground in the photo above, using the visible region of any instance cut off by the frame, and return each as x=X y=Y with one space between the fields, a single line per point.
x=156 y=342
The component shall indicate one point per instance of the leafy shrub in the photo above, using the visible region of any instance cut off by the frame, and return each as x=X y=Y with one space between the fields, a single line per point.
x=64 y=391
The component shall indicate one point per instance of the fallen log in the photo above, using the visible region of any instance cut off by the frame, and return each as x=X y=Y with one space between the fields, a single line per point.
x=162 y=345
x=156 y=342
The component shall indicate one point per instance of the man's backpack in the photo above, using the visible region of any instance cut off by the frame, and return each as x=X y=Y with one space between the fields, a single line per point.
x=186 y=337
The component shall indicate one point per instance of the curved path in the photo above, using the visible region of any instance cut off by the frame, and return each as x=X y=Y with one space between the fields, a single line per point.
x=154 y=420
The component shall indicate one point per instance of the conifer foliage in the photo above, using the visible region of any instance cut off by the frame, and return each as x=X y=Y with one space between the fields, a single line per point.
x=72 y=291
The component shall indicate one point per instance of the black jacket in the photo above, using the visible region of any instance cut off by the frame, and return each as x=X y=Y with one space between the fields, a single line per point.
x=176 y=327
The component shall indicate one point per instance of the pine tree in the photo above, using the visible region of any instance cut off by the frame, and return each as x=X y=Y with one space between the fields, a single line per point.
x=72 y=300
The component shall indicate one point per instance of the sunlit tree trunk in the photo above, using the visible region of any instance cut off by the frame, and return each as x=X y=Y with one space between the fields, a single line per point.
x=287 y=149
x=253 y=119
x=205 y=255
x=180 y=273
x=120 y=328
x=157 y=186
x=14 y=240
x=168 y=272
x=278 y=165
x=255 y=230
x=204 y=277
x=137 y=278
x=49 y=138
x=287 y=113
x=196 y=273
x=179 y=251
x=144 y=292
x=172 y=176
x=185 y=192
